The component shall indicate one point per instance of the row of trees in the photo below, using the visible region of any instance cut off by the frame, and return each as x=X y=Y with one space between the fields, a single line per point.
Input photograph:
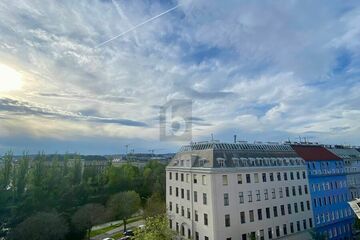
x=60 y=192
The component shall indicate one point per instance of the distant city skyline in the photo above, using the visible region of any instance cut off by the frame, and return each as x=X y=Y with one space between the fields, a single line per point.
x=265 y=71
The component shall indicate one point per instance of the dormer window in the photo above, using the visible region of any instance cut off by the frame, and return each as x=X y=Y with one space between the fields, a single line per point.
x=236 y=162
x=221 y=162
x=202 y=162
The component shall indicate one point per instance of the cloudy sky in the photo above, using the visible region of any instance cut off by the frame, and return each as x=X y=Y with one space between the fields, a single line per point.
x=264 y=70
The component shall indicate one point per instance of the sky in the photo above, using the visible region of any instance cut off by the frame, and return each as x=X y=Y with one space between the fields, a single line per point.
x=263 y=70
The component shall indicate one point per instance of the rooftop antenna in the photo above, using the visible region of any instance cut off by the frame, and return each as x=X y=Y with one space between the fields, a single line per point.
x=235 y=138
x=299 y=139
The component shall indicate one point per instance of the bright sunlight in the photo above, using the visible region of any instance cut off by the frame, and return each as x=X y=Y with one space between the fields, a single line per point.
x=10 y=80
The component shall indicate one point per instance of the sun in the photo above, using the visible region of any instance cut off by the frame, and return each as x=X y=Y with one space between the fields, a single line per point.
x=10 y=79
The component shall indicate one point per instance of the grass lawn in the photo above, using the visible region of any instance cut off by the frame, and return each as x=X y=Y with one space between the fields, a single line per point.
x=106 y=229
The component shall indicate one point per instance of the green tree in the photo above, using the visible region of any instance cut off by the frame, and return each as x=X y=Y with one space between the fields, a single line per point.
x=123 y=205
x=155 y=206
x=6 y=172
x=88 y=216
x=156 y=228
x=21 y=175
x=41 y=226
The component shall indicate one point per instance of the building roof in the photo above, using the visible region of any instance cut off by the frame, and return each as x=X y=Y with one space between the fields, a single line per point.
x=346 y=153
x=211 y=154
x=314 y=153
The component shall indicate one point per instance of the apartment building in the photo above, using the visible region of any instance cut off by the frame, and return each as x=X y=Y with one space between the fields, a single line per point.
x=351 y=159
x=329 y=191
x=237 y=191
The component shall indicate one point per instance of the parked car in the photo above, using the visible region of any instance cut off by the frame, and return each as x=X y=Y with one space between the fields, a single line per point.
x=108 y=239
x=125 y=238
x=129 y=233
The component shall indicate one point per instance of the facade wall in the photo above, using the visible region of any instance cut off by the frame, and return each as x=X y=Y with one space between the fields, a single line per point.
x=211 y=182
x=329 y=195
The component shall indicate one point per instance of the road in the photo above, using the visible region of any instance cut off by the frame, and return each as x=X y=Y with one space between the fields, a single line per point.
x=118 y=229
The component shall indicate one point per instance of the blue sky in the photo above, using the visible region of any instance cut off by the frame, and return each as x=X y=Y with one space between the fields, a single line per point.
x=264 y=70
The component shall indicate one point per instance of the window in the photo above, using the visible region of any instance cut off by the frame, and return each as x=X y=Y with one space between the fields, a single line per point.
x=271 y=177
x=225 y=180
x=266 y=194
x=170 y=190
x=241 y=197
x=195 y=178
x=256 y=177
x=188 y=194
x=306 y=189
x=177 y=208
x=282 y=210
x=239 y=178
x=308 y=205
x=244 y=236
x=296 y=207
x=293 y=191
x=248 y=179
x=297 y=175
x=182 y=177
x=170 y=223
x=226 y=199
x=242 y=217
x=205 y=219
x=195 y=196
x=278 y=176
x=182 y=193
x=188 y=213
x=176 y=192
x=304 y=174
x=270 y=235
x=259 y=212
x=291 y=175
x=281 y=195
x=204 y=199
x=298 y=226
x=300 y=190
x=302 y=206
x=182 y=211
x=292 y=227
x=277 y=231
x=187 y=177
x=251 y=215
x=285 y=176
x=250 y=196
x=206 y=238
x=170 y=206
x=289 y=208
x=284 y=229
x=227 y=220
x=203 y=179
x=273 y=193
x=176 y=176
x=170 y=175
x=258 y=198
x=287 y=193
x=196 y=216
x=304 y=224
x=275 y=211
x=310 y=223
x=264 y=177
x=267 y=211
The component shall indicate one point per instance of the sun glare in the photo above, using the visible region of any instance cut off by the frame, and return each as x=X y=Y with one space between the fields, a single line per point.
x=10 y=80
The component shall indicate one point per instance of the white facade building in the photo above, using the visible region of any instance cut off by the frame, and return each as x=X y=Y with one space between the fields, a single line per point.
x=221 y=191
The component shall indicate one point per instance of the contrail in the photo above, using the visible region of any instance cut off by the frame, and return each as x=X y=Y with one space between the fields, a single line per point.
x=123 y=16
x=136 y=26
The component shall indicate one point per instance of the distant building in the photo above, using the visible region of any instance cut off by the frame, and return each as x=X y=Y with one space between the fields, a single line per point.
x=329 y=191
x=222 y=191
x=351 y=159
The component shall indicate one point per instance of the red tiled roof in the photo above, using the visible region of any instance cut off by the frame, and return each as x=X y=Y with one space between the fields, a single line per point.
x=314 y=153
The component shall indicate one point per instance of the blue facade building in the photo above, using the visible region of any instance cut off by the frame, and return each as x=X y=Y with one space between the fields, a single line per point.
x=333 y=216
